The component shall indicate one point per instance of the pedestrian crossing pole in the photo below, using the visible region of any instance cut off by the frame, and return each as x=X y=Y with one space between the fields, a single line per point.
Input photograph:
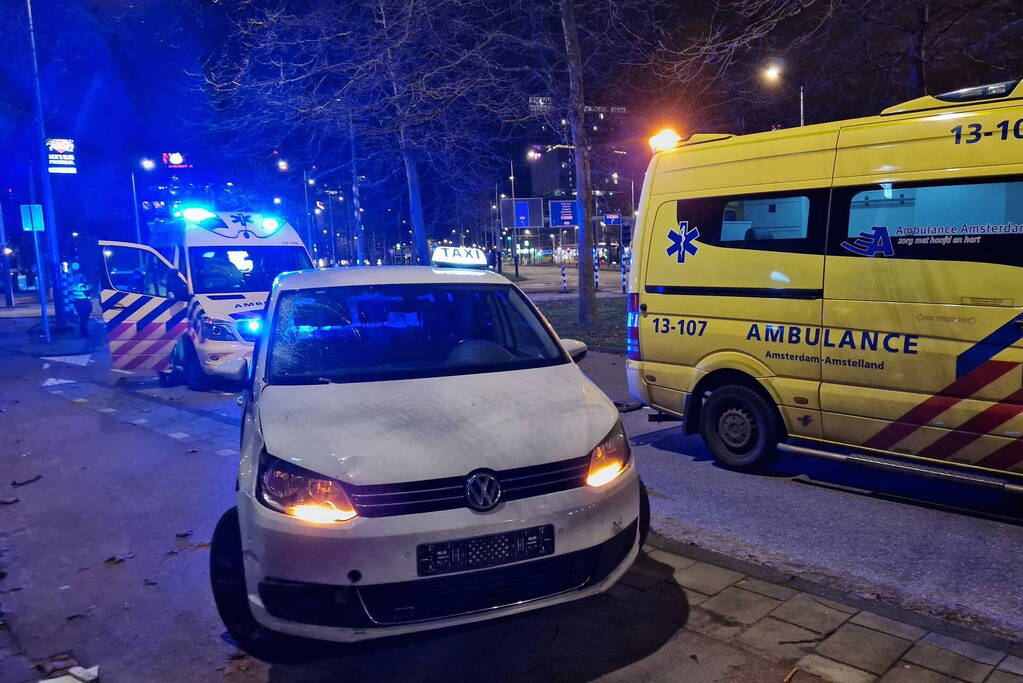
x=596 y=271
x=624 y=272
x=564 y=281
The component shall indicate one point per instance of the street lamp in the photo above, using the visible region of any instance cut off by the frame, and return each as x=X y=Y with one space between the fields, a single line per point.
x=282 y=165
x=147 y=165
x=773 y=74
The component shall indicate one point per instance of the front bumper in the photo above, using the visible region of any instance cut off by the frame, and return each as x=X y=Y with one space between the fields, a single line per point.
x=214 y=356
x=361 y=582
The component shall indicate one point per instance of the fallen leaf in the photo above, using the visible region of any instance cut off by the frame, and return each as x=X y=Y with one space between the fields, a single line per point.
x=27 y=481
x=184 y=534
x=8 y=501
x=172 y=552
x=148 y=582
x=201 y=544
x=192 y=450
x=57 y=662
x=76 y=616
x=694 y=658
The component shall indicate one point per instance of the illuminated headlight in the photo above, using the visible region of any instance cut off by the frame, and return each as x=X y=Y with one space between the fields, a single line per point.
x=249 y=328
x=217 y=330
x=609 y=458
x=303 y=494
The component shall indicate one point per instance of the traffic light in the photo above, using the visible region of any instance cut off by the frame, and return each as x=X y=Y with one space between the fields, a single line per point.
x=626 y=235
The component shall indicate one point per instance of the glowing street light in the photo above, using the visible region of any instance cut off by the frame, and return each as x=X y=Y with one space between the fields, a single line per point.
x=772 y=73
x=147 y=164
x=282 y=165
x=277 y=200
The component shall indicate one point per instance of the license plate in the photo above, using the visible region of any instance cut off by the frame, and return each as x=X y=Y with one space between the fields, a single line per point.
x=484 y=551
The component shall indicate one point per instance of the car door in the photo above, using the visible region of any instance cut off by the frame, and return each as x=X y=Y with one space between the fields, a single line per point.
x=925 y=279
x=735 y=281
x=144 y=301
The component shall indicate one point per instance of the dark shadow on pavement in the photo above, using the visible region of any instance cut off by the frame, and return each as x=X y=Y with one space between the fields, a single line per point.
x=578 y=641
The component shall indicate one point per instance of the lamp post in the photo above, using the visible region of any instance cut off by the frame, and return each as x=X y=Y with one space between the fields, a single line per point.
x=773 y=74
x=147 y=165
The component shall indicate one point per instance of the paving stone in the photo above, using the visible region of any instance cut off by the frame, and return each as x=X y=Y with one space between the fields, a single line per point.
x=706 y=578
x=947 y=662
x=999 y=676
x=977 y=653
x=1012 y=664
x=903 y=672
x=889 y=626
x=712 y=625
x=837 y=606
x=779 y=639
x=771 y=590
x=227 y=451
x=671 y=559
x=695 y=597
x=745 y=607
x=645 y=573
x=831 y=670
x=178 y=435
x=863 y=648
x=805 y=610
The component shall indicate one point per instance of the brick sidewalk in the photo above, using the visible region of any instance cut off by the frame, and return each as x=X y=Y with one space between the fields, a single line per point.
x=794 y=622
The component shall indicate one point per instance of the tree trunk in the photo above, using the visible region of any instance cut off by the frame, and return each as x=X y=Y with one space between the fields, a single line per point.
x=918 y=51
x=577 y=122
x=415 y=204
x=355 y=206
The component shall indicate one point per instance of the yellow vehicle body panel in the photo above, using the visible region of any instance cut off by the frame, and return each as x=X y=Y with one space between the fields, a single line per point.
x=866 y=274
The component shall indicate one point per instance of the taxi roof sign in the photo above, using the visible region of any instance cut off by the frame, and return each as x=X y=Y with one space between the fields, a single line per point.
x=459 y=257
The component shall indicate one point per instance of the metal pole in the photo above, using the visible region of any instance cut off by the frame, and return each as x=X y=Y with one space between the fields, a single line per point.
x=5 y=264
x=135 y=205
x=48 y=211
x=308 y=214
x=802 y=121
x=40 y=270
x=515 y=228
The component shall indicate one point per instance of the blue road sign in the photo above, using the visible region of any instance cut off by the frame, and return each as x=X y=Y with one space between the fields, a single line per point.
x=521 y=213
x=564 y=214
x=612 y=219
x=32 y=217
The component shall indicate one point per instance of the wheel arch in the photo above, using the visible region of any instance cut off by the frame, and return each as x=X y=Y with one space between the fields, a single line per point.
x=730 y=368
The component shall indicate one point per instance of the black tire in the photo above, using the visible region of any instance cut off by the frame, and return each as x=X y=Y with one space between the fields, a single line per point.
x=741 y=428
x=195 y=378
x=644 y=514
x=227 y=579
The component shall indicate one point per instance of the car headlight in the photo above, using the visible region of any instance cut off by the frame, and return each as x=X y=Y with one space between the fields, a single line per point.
x=249 y=328
x=609 y=458
x=217 y=330
x=301 y=493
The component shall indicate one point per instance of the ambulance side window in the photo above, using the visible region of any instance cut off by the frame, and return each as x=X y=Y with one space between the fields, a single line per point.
x=789 y=222
x=137 y=271
x=964 y=220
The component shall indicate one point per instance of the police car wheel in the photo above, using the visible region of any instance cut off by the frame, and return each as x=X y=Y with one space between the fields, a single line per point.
x=195 y=378
x=740 y=428
x=227 y=578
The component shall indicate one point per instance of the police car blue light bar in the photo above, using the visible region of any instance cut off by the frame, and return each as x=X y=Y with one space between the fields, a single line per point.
x=459 y=257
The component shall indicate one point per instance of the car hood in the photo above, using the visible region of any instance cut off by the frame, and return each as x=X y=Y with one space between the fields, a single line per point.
x=410 y=430
x=232 y=306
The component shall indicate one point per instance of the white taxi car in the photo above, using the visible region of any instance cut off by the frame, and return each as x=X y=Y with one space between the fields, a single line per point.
x=419 y=450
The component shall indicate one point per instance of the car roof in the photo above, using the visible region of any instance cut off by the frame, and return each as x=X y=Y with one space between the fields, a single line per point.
x=386 y=275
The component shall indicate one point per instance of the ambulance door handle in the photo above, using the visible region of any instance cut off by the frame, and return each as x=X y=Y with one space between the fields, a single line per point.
x=1018 y=321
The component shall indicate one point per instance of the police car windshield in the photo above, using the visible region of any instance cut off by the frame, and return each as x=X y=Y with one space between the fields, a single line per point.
x=242 y=268
x=384 y=332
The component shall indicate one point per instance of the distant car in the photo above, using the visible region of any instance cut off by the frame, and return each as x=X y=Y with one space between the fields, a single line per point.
x=419 y=450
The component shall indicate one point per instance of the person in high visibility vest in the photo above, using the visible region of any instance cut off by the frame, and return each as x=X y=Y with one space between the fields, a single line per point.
x=80 y=298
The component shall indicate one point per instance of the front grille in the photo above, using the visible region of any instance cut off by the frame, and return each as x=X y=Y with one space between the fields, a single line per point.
x=430 y=495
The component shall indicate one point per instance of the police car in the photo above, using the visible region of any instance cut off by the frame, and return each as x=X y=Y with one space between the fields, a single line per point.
x=419 y=450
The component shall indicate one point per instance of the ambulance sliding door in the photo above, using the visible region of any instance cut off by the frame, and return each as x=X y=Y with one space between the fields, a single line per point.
x=735 y=281
x=144 y=302
x=924 y=292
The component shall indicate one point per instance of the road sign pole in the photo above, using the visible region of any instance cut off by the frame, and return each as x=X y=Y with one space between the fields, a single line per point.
x=5 y=264
x=41 y=284
x=564 y=281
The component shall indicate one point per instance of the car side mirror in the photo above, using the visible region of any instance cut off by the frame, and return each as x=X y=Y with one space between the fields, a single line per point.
x=576 y=349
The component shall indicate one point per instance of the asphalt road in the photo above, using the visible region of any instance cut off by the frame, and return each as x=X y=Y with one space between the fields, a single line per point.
x=944 y=549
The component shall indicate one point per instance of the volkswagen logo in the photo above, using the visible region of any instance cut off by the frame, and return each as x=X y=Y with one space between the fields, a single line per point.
x=482 y=491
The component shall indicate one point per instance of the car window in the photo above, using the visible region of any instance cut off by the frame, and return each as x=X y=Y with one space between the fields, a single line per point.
x=351 y=334
x=242 y=268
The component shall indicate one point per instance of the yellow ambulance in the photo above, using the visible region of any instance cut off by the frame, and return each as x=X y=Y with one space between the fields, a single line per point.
x=851 y=290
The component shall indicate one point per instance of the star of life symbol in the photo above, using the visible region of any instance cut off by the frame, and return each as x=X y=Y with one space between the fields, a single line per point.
x=242 y=219
x=682 y=241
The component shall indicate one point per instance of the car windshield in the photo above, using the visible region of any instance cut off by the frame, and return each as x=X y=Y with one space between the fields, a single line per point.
x=242 y=268
x=383 y=332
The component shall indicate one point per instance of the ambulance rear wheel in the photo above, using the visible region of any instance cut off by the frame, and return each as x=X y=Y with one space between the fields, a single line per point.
x=195 y=377
x=741 y=428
